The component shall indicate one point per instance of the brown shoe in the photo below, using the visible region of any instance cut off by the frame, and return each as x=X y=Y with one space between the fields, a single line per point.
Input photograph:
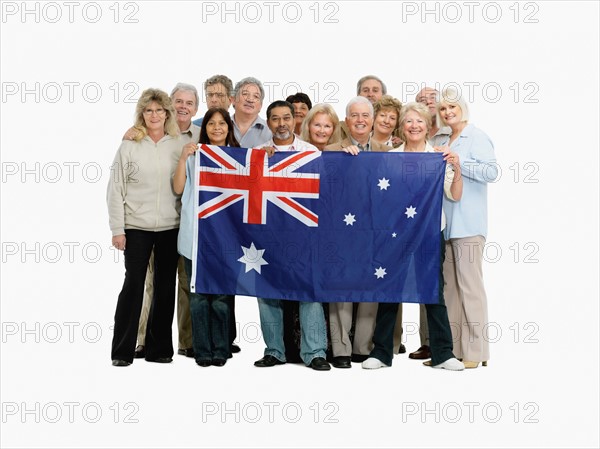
x=420 y=354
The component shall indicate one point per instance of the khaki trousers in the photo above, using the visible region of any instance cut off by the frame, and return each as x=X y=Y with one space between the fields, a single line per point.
x=466 y=299
x=340 y=322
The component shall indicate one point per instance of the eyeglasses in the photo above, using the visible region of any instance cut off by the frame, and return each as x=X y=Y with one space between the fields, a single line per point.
x=150 y=112
x=219 y=95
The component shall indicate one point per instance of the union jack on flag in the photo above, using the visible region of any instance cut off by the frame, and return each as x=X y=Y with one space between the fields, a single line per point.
x=254 y=181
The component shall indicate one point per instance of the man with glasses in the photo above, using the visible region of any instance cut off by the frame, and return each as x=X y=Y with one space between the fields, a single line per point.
x=218 y=91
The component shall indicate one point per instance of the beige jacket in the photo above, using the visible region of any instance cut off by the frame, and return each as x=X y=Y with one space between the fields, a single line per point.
x=140 y=190
x=375 y=146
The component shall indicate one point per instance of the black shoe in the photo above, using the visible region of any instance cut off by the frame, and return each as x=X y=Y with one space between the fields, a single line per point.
x=341 y=361
x=235 y=349
x=401 y=349
x=120 y=363
x=219 y=362
x=359 y=358
x=140 y=352
x=204 y=363
x=160 y=360
x=319 y=364
x=268 y=361
x=189 y=352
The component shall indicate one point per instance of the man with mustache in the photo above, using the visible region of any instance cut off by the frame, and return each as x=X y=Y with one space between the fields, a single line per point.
x=280 y=119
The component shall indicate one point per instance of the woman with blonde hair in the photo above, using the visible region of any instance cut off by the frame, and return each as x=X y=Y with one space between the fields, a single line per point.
x=415 y=123
x=321 y=126
x=466 y=230
x=144 y=216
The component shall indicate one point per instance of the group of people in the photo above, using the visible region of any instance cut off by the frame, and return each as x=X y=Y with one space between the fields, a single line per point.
x=151 y=207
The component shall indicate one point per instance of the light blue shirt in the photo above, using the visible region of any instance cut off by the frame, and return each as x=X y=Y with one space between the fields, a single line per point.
x=468 y=217
x=186 y=223
x=256 y=134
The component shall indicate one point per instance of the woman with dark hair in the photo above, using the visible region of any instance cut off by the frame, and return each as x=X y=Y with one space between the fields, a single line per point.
x=144 y=216
x=210 y=313
x=302 y=105
x=221 y=128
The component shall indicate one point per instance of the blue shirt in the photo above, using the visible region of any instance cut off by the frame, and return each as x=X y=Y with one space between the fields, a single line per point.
x=468 y=217
x=256 y=134
x=186 y=224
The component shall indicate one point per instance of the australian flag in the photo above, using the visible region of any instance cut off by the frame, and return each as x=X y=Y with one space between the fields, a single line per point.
x=318 y=226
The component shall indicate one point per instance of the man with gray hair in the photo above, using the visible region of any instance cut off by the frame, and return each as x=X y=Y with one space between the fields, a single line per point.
x=370 y=87
x=249 y=129
x=359 y=120
x=218 y=91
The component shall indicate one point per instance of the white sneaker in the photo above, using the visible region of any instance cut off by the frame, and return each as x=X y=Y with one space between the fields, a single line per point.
x=451 y=364
x=373 y=363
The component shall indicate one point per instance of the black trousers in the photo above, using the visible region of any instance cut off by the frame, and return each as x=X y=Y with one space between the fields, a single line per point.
x=440 y=334
x=138 y=246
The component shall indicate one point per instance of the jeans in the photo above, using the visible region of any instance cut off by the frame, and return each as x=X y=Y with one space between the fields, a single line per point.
x=313 y=330
x=210 y=323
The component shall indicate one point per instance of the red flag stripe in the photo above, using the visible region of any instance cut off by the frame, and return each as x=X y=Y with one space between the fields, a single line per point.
x=289 y=161
x=293 y=205
x=220 y=204
x=218 y=158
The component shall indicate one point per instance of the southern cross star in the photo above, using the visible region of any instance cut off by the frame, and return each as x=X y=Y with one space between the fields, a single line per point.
x=411 y=212
x=349 y=219
x=383 y=184
x=380 y=272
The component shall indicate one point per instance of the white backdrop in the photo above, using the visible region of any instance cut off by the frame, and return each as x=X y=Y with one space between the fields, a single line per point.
x=71 y=73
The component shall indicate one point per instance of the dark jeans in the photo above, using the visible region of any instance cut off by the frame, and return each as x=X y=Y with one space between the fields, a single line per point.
x=138 y=246
x=210 y=323
x=440 y=334
x=232 y=322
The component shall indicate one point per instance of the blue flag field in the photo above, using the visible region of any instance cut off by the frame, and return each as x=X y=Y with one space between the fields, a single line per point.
x=318 y=226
